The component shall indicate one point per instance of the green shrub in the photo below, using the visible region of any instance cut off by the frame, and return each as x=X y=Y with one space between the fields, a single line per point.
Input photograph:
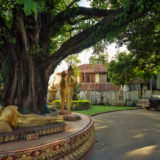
x=76 y=104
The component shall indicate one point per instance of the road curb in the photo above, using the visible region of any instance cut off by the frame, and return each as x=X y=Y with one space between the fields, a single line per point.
x=115 y=111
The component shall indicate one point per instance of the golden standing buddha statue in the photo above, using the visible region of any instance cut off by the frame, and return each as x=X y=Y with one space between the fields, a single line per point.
x=71 y=82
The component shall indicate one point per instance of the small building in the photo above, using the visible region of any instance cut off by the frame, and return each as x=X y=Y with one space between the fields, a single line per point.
x=140 y=89
x=95 y=85
x=134 y=90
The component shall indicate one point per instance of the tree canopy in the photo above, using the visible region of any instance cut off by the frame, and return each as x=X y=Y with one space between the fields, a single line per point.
x=142 y=40
x=36 y=35
x=121 y=70
x=99 y=54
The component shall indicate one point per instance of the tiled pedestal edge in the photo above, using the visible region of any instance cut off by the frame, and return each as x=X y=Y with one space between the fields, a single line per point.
x=72 y=147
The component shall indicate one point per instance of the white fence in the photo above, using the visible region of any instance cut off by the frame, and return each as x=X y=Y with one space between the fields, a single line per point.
x=116 y=97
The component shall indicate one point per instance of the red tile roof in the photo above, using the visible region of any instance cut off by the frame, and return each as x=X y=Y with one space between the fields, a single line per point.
x=97 y=68
x=98 y=87
x=88 y=68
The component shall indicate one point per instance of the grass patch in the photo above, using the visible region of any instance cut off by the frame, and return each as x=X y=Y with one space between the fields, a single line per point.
x=100 y=109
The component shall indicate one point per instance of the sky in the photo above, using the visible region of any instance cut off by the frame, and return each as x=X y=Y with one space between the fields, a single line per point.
x=85 y=54
x=84 y=3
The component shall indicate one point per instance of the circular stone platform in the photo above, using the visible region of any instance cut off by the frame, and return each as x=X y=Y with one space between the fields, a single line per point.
x=71 y=144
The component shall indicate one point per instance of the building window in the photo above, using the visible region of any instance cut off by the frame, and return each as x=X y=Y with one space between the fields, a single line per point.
x=93 y=78
x=83 y=78
x=87 y=78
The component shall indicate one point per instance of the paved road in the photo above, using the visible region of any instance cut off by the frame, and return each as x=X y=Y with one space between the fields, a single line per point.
x=127 y=135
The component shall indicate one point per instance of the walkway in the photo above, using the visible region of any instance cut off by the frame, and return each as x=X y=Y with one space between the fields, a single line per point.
x=127 y=135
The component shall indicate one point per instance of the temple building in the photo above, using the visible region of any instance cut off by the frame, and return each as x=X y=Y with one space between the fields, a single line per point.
x=95 y=85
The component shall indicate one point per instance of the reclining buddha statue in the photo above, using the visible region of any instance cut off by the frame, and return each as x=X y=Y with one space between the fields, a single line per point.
x=10 y=118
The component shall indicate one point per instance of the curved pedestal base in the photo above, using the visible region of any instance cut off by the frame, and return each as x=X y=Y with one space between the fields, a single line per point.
x=26 y=132
x=69 y=145
x=71 y=117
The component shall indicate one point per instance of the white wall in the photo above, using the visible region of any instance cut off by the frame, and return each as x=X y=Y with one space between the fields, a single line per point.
x=97 y=97
x=114 y=97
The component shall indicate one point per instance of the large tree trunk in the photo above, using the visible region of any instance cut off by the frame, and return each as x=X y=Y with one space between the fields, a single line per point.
x=27 y=86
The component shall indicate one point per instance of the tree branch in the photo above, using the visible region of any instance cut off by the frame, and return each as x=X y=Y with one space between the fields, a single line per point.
x=54 y=25
x=111 y=23
x=20 y=26
x=72 y=3
x=78 y=20
x=76 y=11
x=65 y=16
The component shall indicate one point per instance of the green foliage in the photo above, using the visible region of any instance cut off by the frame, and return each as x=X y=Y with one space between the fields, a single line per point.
x=60 y=5
x=100 y=4
x=142 y=40
x=30 y=6
x=126 y=67
x=36 y=6
x=113 y=4
x=73 y=61
x=99 y=54
x=6 y=7
x=121 y=70
x=76 y=91
x=76 y=105
x=53 y=7
x=99 y=58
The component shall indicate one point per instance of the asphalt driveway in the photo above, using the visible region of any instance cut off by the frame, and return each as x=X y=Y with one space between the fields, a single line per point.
x=127 y=135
